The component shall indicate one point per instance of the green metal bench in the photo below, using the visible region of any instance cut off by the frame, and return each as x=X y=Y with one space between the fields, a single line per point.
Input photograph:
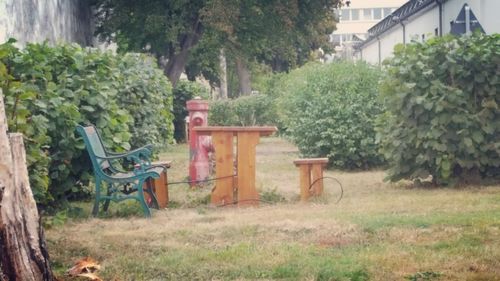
x=110 y=177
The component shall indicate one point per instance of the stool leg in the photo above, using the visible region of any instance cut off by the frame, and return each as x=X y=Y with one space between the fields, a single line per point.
x=317 y=179
x=161 y=190
x=305 y=182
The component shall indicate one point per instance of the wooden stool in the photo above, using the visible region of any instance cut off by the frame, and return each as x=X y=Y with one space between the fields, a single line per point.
x=160 y=185
x=311 y=171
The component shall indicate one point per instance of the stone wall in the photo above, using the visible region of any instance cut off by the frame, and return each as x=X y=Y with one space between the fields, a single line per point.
x=40 y=20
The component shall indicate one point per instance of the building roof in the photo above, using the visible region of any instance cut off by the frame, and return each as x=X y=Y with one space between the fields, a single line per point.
x=407 y=10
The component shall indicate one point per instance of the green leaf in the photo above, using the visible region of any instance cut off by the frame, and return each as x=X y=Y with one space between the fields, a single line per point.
x=27 y=95
x=419 y=100
x=88 y=108
x=478 y=137
x=126 y=146
x=445 y=165
x=468 y=142
x=428 y=105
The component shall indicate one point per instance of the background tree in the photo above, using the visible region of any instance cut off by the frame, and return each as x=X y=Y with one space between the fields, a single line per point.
x=276 y=32
x=167 y=29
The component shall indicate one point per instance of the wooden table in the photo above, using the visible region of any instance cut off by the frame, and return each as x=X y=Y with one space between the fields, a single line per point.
x=224 y=140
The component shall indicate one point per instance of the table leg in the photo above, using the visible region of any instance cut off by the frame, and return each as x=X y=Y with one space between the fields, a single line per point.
x=223 y=190
x=247 y=193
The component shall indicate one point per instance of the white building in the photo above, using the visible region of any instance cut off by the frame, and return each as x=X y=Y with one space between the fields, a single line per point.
x=356 y=19
x=418 y=20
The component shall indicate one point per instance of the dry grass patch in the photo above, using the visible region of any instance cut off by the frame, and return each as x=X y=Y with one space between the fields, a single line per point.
x=378 y=231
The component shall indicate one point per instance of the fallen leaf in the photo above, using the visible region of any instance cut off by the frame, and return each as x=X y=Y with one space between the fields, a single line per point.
x=85 y=265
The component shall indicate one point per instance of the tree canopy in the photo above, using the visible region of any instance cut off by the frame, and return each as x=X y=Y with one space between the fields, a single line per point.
x=280 y=33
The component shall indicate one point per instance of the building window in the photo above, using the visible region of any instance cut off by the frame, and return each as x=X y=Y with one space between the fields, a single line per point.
x=387 y=11
x=367 y=14
x=346 y=16
x=336 y=38
x=354 y=14
x=377 y=13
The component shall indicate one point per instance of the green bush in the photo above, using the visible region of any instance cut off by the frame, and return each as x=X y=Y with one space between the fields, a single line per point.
x=185 y=90
x=254 y=110
x=146 y=94
x=443 y=118
x=328 y=110
x=222 y=113
x=49 y=90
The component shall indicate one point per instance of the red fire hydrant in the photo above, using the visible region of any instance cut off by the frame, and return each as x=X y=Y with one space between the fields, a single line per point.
x=199 y=146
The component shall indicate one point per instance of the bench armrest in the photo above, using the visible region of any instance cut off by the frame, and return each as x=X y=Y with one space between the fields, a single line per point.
x=137 y=156
x=145 y=150
x=140 y=155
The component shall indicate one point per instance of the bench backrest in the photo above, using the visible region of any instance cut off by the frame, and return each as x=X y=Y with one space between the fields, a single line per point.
x=94 y=146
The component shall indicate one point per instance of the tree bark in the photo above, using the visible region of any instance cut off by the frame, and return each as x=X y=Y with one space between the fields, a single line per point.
x=243 y=77
x=223 y=75
x=178 y=59
x=23 y=252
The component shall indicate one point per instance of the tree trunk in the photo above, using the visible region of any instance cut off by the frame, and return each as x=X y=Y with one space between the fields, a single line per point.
x=23 y=252
x=243 y=77
x=223 y=75
x=177 y=60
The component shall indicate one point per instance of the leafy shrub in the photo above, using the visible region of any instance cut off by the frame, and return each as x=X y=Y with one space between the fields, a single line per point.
x=221 y=113
x=443 y=118
x=147 y=95
x=328 y=111
x=243 y=111
x=49 y=90
x=185 y=90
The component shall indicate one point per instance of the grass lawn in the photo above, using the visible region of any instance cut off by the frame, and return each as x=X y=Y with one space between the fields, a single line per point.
x=378 y=231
